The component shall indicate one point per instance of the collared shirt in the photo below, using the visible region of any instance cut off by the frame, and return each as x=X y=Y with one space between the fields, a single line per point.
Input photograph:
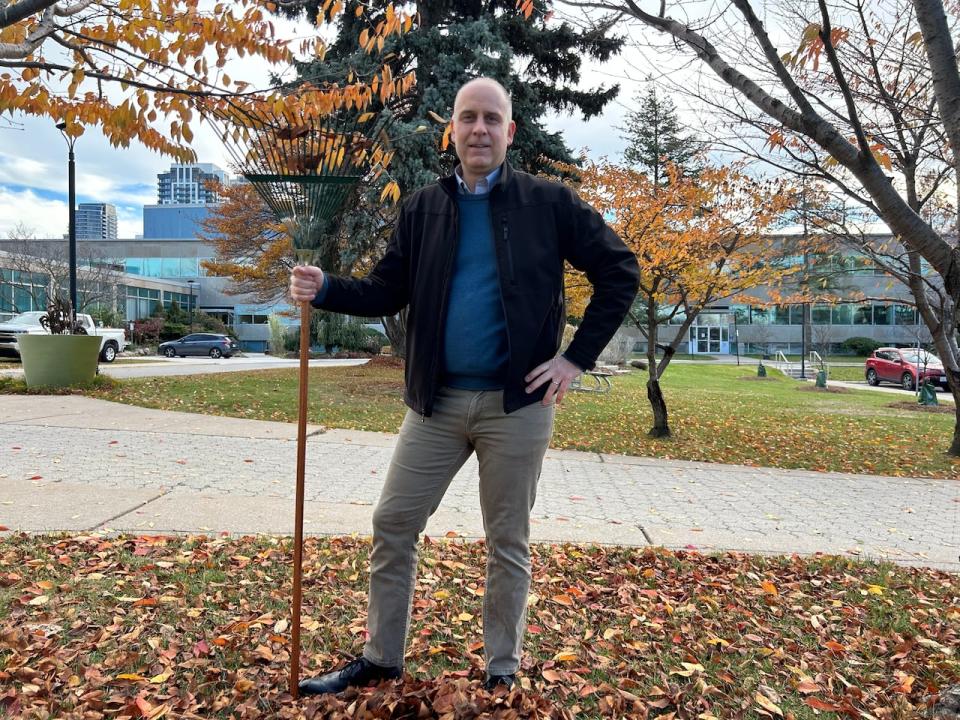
x=483 y=184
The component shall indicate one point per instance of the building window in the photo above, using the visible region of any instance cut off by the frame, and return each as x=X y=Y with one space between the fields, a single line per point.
x=760 y=315
x=905 y=315
x=842 y=315
x=170 y=267
x=863 y=315
x=253 y=319
x=820 y=314
x=883 y=314
x=189 y=267
x=781 y=315
x=151 y=267
x=181 y=299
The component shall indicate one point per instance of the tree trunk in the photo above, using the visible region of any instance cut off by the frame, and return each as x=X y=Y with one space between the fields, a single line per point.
x=396 y=329
x=661 y=427
x=953 y=381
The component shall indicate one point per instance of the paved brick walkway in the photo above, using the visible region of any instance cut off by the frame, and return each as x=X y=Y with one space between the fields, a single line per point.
x=73 y=463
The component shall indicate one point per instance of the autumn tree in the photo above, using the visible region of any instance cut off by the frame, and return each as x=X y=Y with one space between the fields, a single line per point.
x=698 y=242
x=122 y=67
x=125 y=67
x=251 y=247
x=868 y=98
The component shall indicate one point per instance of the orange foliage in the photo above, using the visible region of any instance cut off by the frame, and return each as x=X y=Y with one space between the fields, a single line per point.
x=132 y=66
x=252 y=248
x=698 y=240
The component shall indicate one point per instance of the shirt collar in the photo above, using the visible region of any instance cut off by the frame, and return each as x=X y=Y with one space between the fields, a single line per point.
x=484 y=185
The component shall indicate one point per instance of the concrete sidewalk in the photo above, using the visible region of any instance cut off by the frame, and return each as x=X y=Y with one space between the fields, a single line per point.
x=70 y=463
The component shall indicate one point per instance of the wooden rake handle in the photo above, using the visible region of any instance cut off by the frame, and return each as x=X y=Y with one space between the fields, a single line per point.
x=298 y=526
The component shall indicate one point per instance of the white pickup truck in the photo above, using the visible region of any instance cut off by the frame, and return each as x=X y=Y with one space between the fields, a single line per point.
x=112 y=340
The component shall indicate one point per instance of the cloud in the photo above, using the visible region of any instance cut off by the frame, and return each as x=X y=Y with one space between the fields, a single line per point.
x=43 y=216
x=47 y=216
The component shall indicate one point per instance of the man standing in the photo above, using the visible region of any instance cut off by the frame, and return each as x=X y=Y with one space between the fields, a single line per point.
x=478 y=257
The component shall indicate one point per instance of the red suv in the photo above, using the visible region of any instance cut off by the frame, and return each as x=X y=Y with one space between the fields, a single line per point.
x=904 y=366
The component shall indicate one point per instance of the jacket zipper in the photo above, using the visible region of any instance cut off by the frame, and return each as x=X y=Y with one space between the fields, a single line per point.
x=503 y=304
x=506 y=243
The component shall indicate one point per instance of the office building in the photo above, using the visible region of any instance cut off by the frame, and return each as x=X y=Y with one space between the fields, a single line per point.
x=96 y=221
x=190 y=184
x=184 y=196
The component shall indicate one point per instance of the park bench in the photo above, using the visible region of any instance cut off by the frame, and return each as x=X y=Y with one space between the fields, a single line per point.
x=597 y=380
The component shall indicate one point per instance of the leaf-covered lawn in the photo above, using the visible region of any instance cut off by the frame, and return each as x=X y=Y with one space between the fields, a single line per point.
x=719 y=413
x=190 y=627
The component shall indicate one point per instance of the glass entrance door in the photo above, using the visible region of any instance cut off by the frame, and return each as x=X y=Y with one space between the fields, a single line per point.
x=709 y=335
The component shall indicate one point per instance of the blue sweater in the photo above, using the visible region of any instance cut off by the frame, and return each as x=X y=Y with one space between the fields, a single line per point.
x=475 y=336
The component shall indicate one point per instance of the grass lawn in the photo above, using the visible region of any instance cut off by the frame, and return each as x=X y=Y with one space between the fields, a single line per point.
x=844 y=373
x=719 y=413
x=830 y=359
x=197 y=628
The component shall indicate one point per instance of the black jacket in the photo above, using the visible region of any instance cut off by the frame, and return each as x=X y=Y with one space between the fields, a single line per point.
x=537 y=224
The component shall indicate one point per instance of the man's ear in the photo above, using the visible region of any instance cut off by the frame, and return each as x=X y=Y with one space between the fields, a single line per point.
x=511 y=129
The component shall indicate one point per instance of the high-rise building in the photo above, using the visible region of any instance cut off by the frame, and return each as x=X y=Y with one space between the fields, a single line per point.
x=184 y=195
x=96 y=221
x=189 y=184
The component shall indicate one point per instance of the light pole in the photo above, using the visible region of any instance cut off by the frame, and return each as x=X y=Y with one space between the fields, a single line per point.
x=72 y=198
x=190 y=283
x=736 y=336
x=803 y=341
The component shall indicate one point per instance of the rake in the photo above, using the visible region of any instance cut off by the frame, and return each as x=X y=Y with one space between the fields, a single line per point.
x=304 y=162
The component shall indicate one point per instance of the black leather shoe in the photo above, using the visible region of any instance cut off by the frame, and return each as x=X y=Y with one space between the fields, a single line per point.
x=359 y=672
x=493 y=680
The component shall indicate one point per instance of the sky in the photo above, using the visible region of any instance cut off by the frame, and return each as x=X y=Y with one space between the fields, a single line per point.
x=33 y=154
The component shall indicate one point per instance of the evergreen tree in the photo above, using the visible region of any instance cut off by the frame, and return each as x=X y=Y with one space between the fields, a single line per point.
x=656 y=138
x=538 y=61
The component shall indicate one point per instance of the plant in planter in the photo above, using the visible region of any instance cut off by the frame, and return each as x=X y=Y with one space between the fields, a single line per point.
x=64 y=355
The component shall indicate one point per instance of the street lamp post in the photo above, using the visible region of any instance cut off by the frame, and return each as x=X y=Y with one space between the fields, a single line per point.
x=190 y=283
x=736 y=336
x=72 y=198
x=803 y=341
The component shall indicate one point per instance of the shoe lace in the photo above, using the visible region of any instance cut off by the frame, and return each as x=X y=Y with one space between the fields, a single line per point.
x=352 y=669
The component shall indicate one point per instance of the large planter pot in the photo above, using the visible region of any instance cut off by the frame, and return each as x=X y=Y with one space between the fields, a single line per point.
x=58 y=360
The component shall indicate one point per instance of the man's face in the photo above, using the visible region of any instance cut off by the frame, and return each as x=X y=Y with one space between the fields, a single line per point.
x=481 y=129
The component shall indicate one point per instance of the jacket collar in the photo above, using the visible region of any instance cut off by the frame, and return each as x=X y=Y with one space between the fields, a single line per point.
x=449 y=183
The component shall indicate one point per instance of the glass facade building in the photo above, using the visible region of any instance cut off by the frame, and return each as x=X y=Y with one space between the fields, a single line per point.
x=190 y=184
x=96 y=221
x=179 y=222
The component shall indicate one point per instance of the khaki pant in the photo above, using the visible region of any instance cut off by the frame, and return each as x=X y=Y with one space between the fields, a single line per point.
x=510 y=450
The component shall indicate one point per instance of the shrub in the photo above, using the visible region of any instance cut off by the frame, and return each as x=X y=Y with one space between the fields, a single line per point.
x=147 y=330
x=277 y=341
x=336 y=331
x=108 y=316
x=173 y=330
x=861 y=345
x=374 y=340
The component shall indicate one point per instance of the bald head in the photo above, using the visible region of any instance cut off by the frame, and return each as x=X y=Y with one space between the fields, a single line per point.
x=482 y=128
x=486 y=83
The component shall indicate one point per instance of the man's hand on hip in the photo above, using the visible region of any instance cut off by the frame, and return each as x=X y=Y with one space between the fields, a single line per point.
x=559 y=372
x=305 y=283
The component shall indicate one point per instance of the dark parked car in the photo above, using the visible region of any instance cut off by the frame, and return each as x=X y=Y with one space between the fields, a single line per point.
x=199 y=344
x=904 y=366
